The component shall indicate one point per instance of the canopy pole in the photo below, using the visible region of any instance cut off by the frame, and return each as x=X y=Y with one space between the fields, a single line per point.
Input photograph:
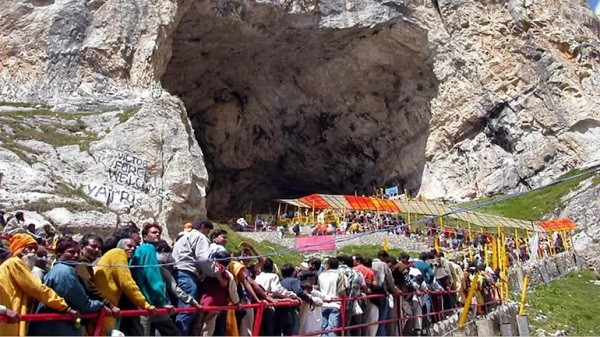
x=495 y=256
x=296 y=211
x=486 y=248
x=249 y=215
x=503 y=263
x=440 y=220
x=278 y=216
x=470 y=236
x=518 y=247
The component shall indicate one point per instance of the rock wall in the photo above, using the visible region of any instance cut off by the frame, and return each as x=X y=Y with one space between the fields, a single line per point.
x=111 y=170
x=518 y=101
x=543 y=271
x=583 y=206
x=285 y=104
x=90 y=139
x=462 y=98
x=451 y=98
x=502 y=319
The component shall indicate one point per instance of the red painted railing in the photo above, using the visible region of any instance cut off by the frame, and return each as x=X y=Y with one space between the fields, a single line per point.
x=260 y=307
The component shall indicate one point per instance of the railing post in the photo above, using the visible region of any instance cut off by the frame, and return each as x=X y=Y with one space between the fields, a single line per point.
x=465 y=313
x=523 y=296
x=98 y=329
x=441 y=304
x=400 y=314
x=258 y=318
x=343 y=315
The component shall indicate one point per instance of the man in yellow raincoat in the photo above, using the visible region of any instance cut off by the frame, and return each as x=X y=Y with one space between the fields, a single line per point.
x=18 y=284
x=113 y=279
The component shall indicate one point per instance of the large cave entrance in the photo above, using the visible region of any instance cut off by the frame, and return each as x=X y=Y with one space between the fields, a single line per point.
x=282 y=108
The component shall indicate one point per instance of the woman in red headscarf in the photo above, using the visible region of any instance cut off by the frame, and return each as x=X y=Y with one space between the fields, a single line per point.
x=18 y=283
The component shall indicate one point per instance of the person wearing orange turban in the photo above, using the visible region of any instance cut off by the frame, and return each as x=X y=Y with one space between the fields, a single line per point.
x=19 y=242
x=18 y=283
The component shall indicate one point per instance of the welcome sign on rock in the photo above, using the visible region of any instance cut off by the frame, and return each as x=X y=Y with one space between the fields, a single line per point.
x=129 y=183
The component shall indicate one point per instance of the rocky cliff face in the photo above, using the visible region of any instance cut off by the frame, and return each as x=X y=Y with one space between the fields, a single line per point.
x=108 y=144
x=518 y=103
x=450 y=98
x=286 y=105
x=583 y=206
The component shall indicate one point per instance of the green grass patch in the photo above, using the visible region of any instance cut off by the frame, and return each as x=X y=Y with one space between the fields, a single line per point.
x=264 y=247
x=22 y=105
x=51 y=135
x=44 y=205
x=63 y=190
x=46 y=112
x=370 y=251
x=67 y=191
x=534 y=205
x=568 y=302
x=89 y=200
x=22 y=151
x=78 y=126
x=128 y=113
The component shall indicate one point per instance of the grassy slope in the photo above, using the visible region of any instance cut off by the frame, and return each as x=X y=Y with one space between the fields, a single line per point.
x=534 y=205
x=264 y=247
x=371 y=251
x=572 y=302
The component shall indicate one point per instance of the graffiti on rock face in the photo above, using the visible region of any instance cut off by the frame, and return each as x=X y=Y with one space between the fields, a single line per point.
x=127 y=170
x=130 y=173
x=113 y=197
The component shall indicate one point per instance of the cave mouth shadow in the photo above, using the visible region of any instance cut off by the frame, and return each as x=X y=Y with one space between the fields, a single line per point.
x=282 y=111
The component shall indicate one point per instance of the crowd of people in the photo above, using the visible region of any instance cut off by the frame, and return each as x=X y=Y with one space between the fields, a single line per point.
x=449 y=238
x=135 y=269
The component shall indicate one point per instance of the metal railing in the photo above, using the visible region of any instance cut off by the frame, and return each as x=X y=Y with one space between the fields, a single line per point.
x=260 y=308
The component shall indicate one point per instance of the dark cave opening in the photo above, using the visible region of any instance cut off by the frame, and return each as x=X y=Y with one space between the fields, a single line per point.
x=282 y=109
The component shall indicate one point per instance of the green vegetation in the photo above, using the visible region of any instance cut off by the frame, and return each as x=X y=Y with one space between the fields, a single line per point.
x=49 y=134
x=20 y=150
x=69 y=129
x=22 y=104
x=63 y=190
x=128 y=113
x=534 y=205
x=79 y=126
x=70 y=192
x=264 y=247
x=44 y=205
x=87 y=204
x=570 y=304
x=371 y=251
x=46 y=112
